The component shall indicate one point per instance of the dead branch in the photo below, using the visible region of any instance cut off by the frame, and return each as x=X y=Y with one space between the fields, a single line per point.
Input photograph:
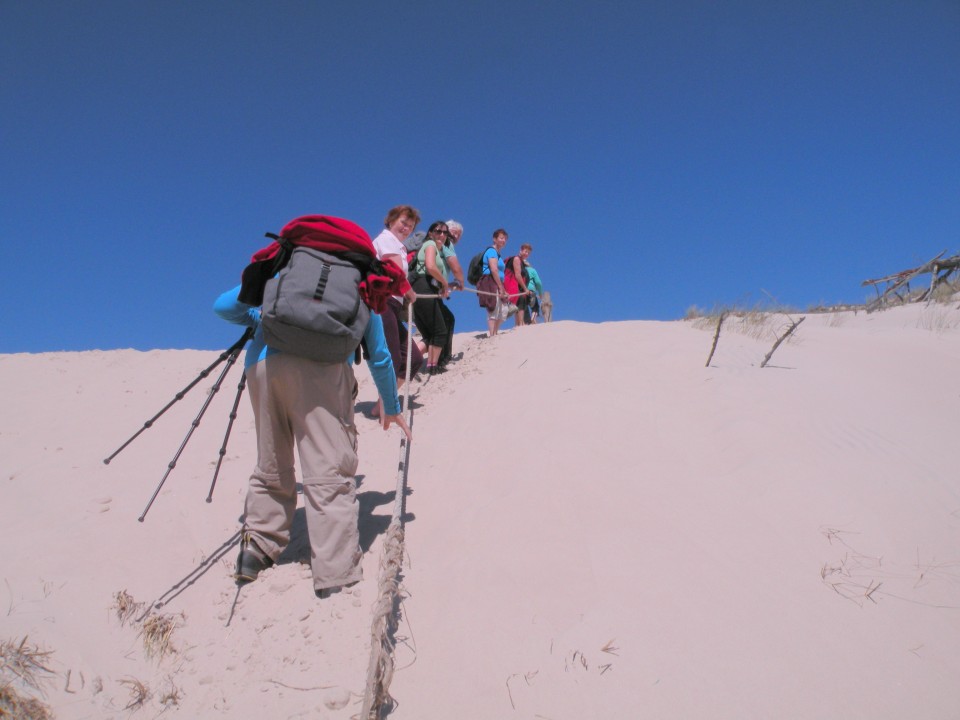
x=938 y=268
x=780 y=340
x=716 y=337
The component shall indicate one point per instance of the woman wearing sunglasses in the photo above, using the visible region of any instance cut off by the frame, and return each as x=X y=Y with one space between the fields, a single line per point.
x=430 y=278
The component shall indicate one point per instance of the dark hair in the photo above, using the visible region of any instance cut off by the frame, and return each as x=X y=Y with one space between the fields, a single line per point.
x=437 y=224
x=500 y=231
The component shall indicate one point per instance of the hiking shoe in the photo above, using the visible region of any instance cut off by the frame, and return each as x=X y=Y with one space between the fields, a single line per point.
x=251 y=561
x=324 y=593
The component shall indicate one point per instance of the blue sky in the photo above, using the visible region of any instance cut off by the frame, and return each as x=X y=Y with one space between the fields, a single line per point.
x=657 y=155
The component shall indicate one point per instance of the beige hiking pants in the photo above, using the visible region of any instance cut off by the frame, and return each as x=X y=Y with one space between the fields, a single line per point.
x=301 y=401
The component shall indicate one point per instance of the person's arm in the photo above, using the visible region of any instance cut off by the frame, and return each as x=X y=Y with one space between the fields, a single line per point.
x=495 y=273
x=430 y=263
x=384 y=376
x=457 y=271
x=518 y=274
x=228 y=307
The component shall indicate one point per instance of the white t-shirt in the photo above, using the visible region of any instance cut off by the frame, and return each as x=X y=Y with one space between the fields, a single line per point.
x=386 y=243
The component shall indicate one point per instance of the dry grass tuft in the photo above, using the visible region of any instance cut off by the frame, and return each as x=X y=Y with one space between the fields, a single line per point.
x=938 y=319
x=944 y=292
x=171 y=696
x=139 y=693
x=758 y=322
x=157 y=632
x=25 y=664
x=837 y=319
x=14 y=706
x=125 y=606
x=25 y=661
x=694 y=312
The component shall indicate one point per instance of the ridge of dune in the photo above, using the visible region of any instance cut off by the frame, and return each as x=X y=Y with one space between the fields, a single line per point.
x=597 y=525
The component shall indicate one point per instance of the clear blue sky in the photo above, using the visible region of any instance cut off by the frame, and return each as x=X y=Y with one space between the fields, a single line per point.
x=657 y=155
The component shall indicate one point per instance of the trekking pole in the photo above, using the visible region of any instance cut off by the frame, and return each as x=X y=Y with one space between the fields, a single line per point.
x=233 y=349
x=231 y=359
x=226 y=437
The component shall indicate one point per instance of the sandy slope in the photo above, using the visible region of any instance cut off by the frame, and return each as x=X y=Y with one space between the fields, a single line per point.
x=599 y=526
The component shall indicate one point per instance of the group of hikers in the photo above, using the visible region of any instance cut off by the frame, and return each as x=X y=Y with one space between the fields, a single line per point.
x=504 y=287
x=303 y=398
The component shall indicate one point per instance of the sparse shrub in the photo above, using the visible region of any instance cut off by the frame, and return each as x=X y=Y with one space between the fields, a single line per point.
x=938 y=319
x=156 y=632
x=125 y=606
x=944 y=292
x=170 y=696
x=837 y=319
x=139 y=693
x=14 y=706
x=23 y=663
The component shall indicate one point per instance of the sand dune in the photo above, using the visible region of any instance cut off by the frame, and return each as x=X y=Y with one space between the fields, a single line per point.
x=598 y=526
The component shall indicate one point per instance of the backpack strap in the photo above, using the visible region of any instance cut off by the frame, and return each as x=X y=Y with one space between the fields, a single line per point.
x=322 y=282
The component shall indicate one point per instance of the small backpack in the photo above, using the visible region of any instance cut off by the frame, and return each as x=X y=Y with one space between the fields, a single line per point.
x=411 y=266
x=414 y=241
x=312 y=308
x=475 y=268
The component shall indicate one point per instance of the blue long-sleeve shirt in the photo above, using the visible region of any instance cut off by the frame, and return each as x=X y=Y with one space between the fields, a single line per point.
x=380 y=363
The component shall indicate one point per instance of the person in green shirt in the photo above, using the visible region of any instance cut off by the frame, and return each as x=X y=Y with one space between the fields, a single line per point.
x=532 y=310
x=430 y=278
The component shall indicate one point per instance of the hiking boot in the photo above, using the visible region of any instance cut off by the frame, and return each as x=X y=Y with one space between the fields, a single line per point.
x=251 y=561
x=324 y=593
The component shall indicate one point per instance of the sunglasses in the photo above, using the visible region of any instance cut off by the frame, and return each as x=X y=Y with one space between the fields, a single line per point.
x=442 y=231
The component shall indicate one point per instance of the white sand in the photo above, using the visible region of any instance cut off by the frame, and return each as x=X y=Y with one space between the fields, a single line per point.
x=599 y=526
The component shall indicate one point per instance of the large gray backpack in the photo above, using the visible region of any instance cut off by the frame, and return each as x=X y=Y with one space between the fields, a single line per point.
x=312 y=308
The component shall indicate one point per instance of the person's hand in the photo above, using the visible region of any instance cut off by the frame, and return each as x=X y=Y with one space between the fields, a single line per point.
x=445 y=290
x=388 y=420
x=410 y=296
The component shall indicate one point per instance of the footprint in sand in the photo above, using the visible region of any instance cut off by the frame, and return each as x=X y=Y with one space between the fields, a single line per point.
x=100 y=505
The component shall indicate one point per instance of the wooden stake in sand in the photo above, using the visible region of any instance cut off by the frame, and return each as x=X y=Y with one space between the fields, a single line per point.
x=780 y=340
x=716 y=337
